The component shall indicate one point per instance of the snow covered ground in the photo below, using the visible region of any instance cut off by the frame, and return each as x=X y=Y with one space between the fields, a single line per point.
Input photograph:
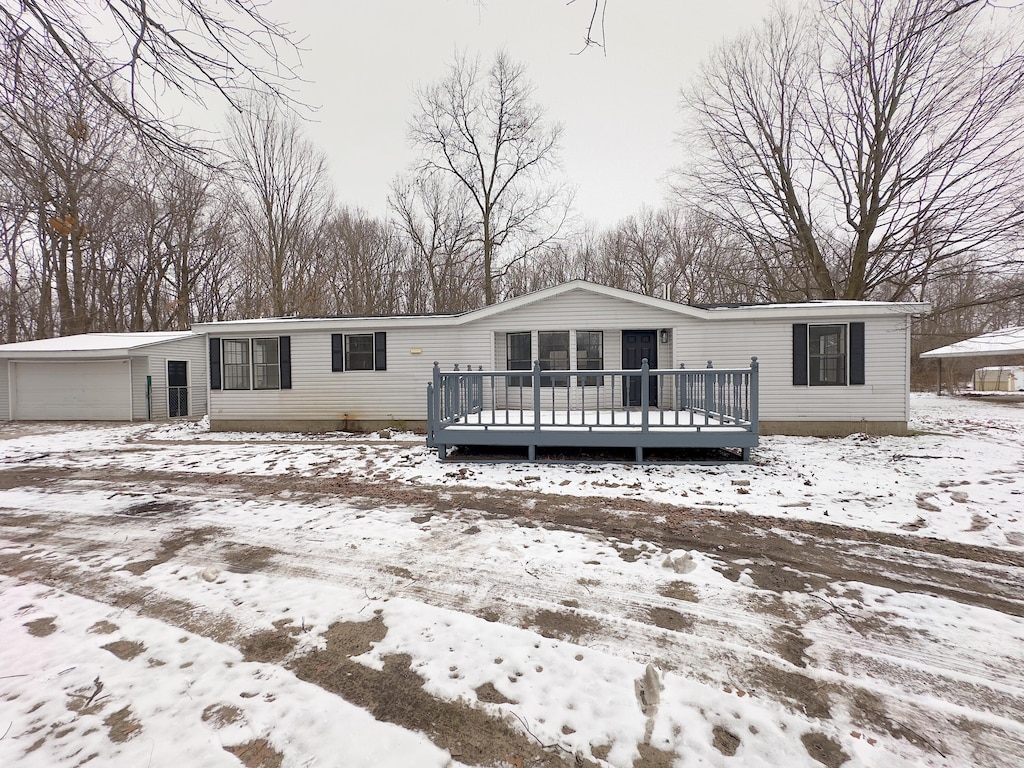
x=171 y=596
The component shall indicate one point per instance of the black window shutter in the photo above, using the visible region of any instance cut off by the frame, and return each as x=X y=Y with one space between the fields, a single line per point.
x=214 y=363
x=800 y=354
x=856 y=353
x=337 y=355
x=380 y=351
x=285 y=351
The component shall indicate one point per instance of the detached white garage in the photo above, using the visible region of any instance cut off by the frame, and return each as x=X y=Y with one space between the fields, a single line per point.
x=104 y=377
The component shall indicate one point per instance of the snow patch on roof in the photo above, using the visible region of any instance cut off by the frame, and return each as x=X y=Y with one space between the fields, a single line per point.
x=1006 y=341
x=95 y=342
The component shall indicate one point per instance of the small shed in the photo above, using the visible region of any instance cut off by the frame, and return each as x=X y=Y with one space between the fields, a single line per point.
x=995 y=378
x=104 y=377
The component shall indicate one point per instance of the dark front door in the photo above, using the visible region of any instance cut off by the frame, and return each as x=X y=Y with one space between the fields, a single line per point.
x=638 y=346
x=177 y=388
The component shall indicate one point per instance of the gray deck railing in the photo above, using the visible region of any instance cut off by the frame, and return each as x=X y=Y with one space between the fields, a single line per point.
x=585 y=407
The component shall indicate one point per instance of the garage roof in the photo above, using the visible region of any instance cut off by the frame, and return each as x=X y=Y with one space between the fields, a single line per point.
x=89 y=345
x=1007 y=341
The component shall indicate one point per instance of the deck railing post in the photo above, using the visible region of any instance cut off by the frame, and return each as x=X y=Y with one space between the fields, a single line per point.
x=436 y=399
x=645 y=395
x=681 y=388
x=430 y=415
x=754 y=367
x=536 y=395
x=709 y=390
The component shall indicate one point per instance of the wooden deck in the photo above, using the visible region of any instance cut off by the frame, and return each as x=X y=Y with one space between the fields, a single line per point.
x=639 y=409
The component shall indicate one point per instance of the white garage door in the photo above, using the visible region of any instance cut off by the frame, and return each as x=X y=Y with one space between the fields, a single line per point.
x=85 y=390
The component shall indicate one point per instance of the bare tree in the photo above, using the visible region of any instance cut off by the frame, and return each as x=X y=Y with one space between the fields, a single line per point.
x=365 y=266
x=283 y=203
x=215 y=47
x=864 y=150
x=15 y=216
x=481 y=132
x=60 y=146
x=440 y=231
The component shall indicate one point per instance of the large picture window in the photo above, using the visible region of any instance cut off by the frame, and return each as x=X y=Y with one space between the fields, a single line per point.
x=826 y=355
x=590 y=356
x=251 y=363
x=554 y=356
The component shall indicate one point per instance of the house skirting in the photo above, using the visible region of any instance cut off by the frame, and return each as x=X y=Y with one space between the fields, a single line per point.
x=315 y=425
x=832 y=428
x=798 y=428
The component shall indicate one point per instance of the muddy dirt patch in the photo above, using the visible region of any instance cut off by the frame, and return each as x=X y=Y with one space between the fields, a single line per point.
x=121 y=727
x=772 y=576
x=221 y=714
x=792 y=645
x=243 y=559
x=652 y=757
x=256 y=754
x=42 y=627
x=680 y=590
x=124 y=649
x=560 y=625
x=153 y=509
x=488 y=694
x=171 y=546
x=395 y=694
x=103 y=627
x=869 y=711
x=354 y=638
x=802 y=693
x=823 y=749
x=192 y=618
x=725 y=741
x=666 y=618
x=267 y=647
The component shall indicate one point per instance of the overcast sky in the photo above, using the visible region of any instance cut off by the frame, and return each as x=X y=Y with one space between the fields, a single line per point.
x=620 y=107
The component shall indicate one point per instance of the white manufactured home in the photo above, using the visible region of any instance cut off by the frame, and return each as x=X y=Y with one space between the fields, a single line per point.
x=104 y=377
x=823 y=368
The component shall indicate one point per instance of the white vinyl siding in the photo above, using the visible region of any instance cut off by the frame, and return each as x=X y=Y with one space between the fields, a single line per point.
x=140 y=369
x=396 y=394
x=193 y=351
x=883 y=396
x=5 y=389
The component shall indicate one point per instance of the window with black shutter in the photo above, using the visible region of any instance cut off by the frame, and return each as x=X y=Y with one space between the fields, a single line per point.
x=828 y=355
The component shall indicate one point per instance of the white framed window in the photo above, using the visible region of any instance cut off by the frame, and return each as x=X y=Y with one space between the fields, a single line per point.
x=359 y=351
x=266 y=363
x=827 y=355
x=590 y=356
x=553 y=353
x=236 y=363
x=249 y=364
x=519 y=356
